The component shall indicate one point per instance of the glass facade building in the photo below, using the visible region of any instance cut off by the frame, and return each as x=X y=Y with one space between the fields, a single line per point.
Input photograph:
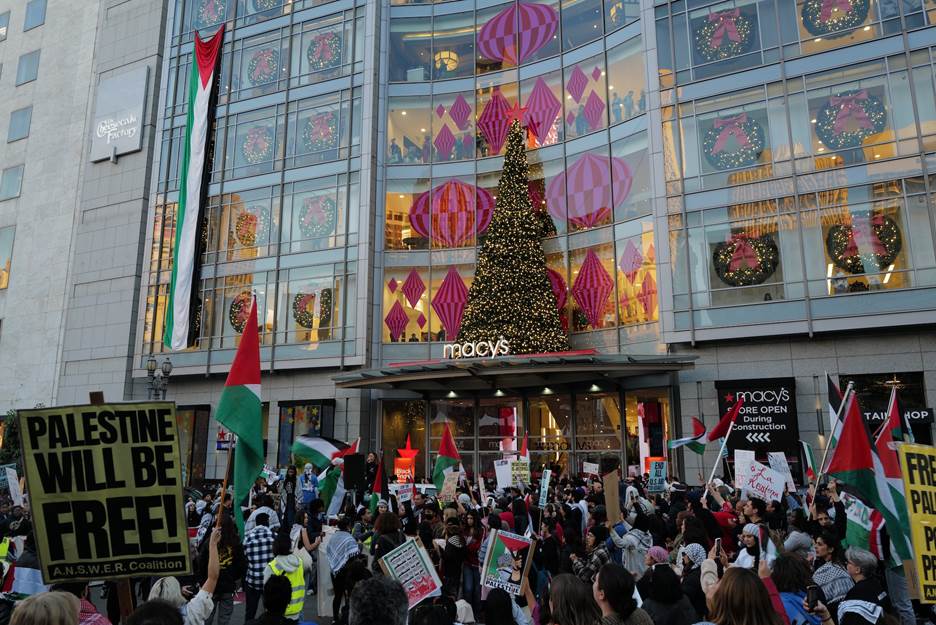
x=702 y=171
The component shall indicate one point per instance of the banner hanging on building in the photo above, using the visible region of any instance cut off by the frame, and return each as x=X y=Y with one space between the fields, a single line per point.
x=105 y=489
x=193 y=192
x=767 y=420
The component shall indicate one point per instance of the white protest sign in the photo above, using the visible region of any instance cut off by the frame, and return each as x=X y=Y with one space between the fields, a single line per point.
x=778 y=463
x=742 y=465
x=590 y=467
x=502 y=471
x=13 y=482
x=657 y=481
x=402 y=492
x=763 y=482
x=544 y=488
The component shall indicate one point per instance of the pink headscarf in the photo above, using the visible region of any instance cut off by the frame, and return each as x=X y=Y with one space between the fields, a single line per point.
x=658 y=554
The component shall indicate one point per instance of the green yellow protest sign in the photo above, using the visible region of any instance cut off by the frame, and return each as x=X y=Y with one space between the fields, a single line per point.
x=105 y=490
x=918 y=465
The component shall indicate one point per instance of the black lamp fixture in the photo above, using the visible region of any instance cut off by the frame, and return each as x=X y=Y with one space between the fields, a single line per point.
x=158 y=377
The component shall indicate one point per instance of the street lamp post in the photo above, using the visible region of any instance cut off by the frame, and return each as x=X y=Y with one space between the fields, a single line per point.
x=158 y=377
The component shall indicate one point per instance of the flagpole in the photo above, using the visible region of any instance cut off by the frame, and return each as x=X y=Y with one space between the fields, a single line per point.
x=224 y=484
x=838 y=417
x=721 y=450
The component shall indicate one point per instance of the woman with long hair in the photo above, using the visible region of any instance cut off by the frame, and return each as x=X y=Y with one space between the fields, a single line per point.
x=290 y=496
x=571 y=602
x=471 y=572
x=831 y=575
x=501 y=609
x=740 y=598
x=613 y=591
x=388 y=535
x=232 y=565
x=666 y=604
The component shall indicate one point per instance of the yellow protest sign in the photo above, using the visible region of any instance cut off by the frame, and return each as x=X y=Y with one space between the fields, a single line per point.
x=105 y=489
x=918 y=465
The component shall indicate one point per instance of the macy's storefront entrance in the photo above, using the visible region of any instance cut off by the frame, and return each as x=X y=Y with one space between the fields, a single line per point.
x=612 y=410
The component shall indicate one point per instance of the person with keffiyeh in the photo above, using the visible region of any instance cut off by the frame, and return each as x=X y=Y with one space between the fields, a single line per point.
x=691 y=557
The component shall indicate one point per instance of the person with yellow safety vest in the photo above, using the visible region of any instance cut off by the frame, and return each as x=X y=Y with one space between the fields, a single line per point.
x=288 y=565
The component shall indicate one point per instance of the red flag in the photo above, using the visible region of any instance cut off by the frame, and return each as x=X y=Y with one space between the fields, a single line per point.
x=524 y=450
x=722 y=428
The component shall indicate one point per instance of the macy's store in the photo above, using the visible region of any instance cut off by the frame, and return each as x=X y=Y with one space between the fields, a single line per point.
x=577 y=407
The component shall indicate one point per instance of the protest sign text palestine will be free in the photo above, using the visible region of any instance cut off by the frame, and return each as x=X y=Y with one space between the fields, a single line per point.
x=106 y=489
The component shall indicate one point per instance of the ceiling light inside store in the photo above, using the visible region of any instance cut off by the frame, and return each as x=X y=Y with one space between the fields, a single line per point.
x=594 y=388
x=402 y=112
x=498 y=393
x=422 y=130
x=817 y=39
x=451 y=394
x=812 y=121
x=547 y=390
x=867 y=28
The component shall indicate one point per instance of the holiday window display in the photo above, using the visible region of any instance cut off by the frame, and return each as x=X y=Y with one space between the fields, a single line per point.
x=320 y=132
x=744 y=260
x=452 y=214
x=735 y=141
x=252 y=225
x=723 y=35
x=262 y=67
x=257 y=146
x=848 y=118
x=319 y=216
x=240 y=311
x=260 y=6
x=834 y=18
x=517 y=32
x=303 y=309
x=324 y=51
x=870 y=243
x=209 y=13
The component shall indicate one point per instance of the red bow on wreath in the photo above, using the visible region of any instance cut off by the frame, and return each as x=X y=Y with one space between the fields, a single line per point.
x=321 y=126
x=829 y=5
x=730 y=127
x=315 y=212
x=264 y=59
x=851 y=109
x=726 y=26
x=743 y=253
x=256 y=140
x=323 y=49
x=304 y=301
x=862 y=234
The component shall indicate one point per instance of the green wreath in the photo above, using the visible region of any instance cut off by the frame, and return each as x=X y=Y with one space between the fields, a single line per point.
x=262 y=67
x=319 y=217
x=301 y=309
x=265 y=5
x=723 y=35
x=848 y=118
x=324 y=51
x=210 y=12
x=257 y=146
x=239 y=310
x=744 y=260
x=743 y=131
x=320 y=132
x=834 y=18
x=250 y=225
x=844 y=246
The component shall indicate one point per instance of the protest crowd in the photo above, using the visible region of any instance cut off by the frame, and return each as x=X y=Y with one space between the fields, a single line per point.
x=572 y=554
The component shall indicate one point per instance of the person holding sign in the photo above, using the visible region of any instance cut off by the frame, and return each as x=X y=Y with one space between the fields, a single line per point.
x=167 y=591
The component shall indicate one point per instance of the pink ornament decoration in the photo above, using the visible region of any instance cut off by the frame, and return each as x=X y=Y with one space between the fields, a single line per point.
x=493 y=122
x=457 y=212
x=396 y=321
x=577 y=83
x=413 y=288
x=449 y=302
x=421 y=321
x=392 y=285
x=444 y=143
x=648 y=295
x=594 y=107
x=631 y=261
x=743 y=255
x=596 y=185
x=460 y=112
x=596 y=73
x=591 y=288
x=440 y=111
x=559 y=287
x=542 y=108
x=517 y=32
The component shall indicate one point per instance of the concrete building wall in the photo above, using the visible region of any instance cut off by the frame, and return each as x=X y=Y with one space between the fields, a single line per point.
x=32 y=308
x=108 y=235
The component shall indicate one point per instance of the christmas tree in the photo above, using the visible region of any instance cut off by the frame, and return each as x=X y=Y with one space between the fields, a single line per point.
x=511 y=296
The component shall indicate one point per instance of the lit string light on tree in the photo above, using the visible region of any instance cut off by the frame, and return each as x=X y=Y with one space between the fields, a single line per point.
x=511 y=295
x=834 y=18
x=723 y=35
x=848 y=118
x=743 y=260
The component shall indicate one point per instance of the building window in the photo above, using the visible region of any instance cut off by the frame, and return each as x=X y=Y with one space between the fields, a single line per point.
x=10 y=182
x=6 y=254
x=35 y=14
x=28 y=68
x=303 y=418
x=4 y=24
x=19 y=124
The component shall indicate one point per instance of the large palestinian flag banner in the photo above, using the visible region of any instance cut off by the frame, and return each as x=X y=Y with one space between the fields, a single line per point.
x=193 y=192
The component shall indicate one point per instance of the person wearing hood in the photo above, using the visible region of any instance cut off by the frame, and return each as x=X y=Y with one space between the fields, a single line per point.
x=308 y=486
x=750 y=553
x=691 y=557
x=634 y=545
x=288 y=565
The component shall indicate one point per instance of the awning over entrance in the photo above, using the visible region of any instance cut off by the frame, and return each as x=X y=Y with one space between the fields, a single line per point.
x=511 y=372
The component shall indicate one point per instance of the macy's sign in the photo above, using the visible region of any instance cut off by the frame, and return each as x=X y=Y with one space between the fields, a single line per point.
x=477 y=349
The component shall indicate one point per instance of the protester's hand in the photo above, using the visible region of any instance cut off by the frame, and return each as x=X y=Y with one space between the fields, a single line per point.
x=820 y=610
x=763 y=569
x=215 y=537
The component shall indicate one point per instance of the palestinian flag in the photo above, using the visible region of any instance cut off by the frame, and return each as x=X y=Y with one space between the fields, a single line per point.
x=524 y=448
x=856 y=463
x=318 y=450
x=379 y=489
x=193 y=191
x=696 y=442
x=447 y=460
x=240 y=411
x=863 y=527
x=886 y=447
x=726 y=422
x=809 y=462
x=835 y=408
x=331 y=483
